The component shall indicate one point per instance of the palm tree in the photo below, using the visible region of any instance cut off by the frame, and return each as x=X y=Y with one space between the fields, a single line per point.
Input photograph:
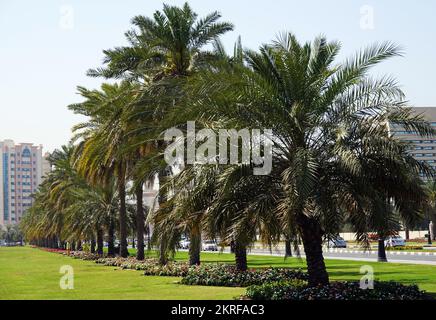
x=163 y=51
x=67 y=208
x=184 y=212
x=193 y=188
x=170 y=44
x=101 y=151
x=11 y=233
x=334 y=159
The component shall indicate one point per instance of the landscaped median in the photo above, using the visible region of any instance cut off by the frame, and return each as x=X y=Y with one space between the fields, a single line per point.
x=262 y=283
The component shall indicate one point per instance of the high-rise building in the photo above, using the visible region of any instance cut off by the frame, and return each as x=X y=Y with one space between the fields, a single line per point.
x=22 y=168
x=423 y=148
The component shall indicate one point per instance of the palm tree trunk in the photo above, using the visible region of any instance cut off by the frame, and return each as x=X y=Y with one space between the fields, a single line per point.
x=100 y=242
x=139 y=223
x=111 y=239
x=148 y=238
x=311 y=234
x=163 y=259
x=288 y=248
x=123 y=214
x=381 y=251
x=55 y=242
x=195 y=246
x=93 y=244
x=240 y=256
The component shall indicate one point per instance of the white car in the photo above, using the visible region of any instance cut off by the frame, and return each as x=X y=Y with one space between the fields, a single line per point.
x=209 y=245
x=337 y=242
x=184 y=244
x=395 y=241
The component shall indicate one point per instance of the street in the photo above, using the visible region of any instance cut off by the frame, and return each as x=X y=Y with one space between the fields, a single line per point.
x=428 y=258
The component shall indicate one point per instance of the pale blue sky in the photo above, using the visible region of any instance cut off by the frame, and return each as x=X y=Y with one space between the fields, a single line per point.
x=44 y=55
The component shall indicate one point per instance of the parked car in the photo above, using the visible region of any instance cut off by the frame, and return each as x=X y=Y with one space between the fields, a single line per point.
x=337 y=242
x=209 y=245
x=2 y=243
x=184 y=244
x=395 y=241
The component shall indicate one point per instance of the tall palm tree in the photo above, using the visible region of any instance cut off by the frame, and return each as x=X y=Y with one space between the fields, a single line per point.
x=169 y=44
x=194 y=187
x=334 y=159
x=101 y=150
x=163 y=51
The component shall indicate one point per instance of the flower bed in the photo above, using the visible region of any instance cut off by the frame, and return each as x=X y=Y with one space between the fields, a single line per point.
x=54 y=250
x=150 y=266
x=229 y=276
x=82 y=255
x=334 y=291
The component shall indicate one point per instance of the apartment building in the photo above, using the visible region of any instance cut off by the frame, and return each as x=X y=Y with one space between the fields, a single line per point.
x=423 y=148
x=22 y=168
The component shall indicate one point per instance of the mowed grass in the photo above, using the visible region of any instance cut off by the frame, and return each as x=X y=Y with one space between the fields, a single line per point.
x=27 y=273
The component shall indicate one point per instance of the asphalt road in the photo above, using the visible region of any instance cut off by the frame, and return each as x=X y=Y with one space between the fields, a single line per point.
x=358 y=255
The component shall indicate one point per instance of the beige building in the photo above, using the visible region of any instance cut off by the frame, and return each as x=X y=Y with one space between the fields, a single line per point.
x=22 y=168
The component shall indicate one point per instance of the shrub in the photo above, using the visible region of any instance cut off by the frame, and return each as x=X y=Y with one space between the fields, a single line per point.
x=335 y=291
x=404 y=248
x=419 y=240
x=229 y=276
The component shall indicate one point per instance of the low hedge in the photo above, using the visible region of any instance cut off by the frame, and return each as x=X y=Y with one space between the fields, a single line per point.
x=334 y=291
x=229 y=276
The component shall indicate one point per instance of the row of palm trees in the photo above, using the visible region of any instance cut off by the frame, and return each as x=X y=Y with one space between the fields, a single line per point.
x=334 y=160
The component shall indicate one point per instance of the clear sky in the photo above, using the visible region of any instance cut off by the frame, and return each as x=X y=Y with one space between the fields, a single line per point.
x=47 y=46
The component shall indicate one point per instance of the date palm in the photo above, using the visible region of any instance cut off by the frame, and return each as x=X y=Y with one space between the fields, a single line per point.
x=162 y=50
x=194 y=188
x=101 y=154
x=333 y=158
x=67 y=208
x=170 y=43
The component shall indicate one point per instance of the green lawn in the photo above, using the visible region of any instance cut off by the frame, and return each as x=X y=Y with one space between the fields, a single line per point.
x=27 y=273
